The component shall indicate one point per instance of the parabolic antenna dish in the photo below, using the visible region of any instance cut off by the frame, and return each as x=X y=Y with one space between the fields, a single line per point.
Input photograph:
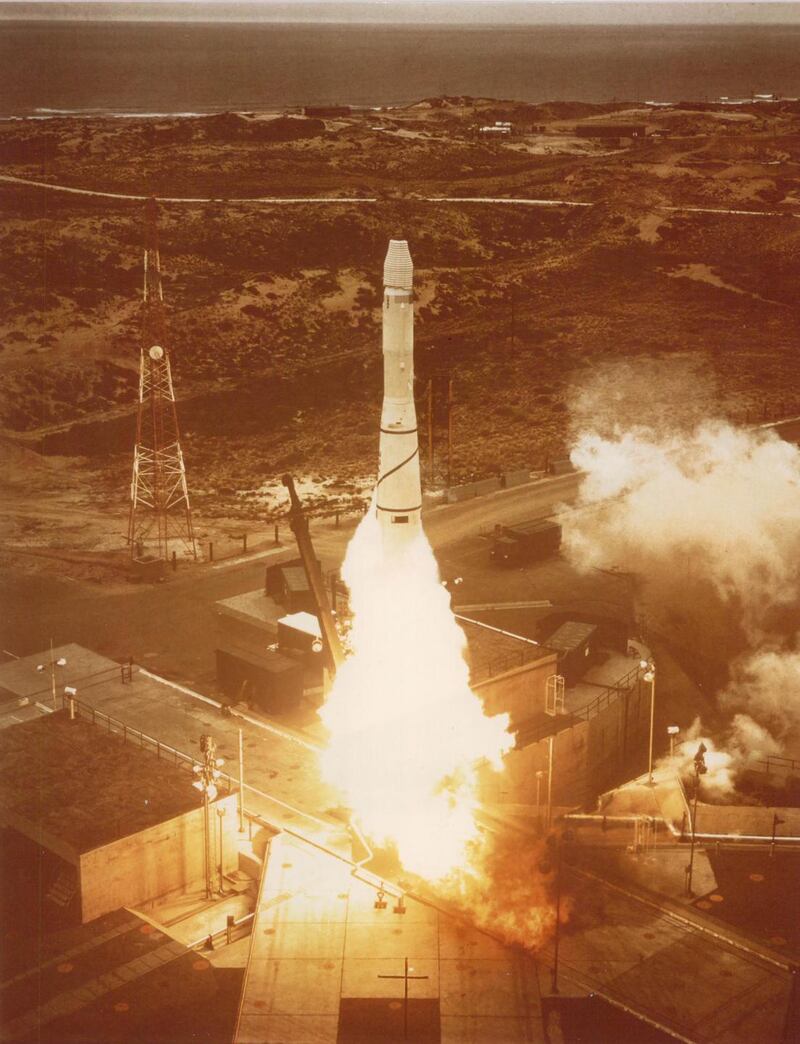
x=156 y=353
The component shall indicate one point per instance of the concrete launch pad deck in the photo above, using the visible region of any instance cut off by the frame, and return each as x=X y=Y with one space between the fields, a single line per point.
x=118 y=979
x=327 y=967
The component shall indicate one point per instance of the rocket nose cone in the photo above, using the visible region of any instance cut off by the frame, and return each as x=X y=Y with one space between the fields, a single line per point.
x=398 y=268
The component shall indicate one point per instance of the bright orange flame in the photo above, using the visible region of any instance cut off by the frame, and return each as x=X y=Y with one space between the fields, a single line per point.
x=406 y=732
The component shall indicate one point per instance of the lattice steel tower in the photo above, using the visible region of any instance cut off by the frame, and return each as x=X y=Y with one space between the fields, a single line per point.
x=160 y=516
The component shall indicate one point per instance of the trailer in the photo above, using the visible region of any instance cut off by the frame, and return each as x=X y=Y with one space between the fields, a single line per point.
x=525 y=541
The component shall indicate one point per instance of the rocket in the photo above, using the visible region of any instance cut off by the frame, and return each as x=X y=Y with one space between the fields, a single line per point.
x=398 y=493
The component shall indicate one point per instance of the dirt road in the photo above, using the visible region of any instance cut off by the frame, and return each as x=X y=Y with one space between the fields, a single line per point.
x=365 y=200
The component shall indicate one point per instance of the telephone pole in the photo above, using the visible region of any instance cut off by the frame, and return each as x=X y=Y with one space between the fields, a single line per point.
x=160 y=515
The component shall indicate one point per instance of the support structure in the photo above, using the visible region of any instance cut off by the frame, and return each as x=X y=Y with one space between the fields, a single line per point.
x=160 y=516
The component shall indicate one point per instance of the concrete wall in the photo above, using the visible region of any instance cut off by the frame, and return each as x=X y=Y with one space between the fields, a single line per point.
x=457 y=493
x=618 y=738
x=34 y=832
x=571 y=777
x=488 y=485
x=515 y=478
x=238 y=635
x=164 y=858
x=519 y=692
x=588 y=756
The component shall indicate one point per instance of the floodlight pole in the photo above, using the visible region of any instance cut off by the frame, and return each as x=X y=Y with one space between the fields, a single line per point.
x=241 y=783
x=699 y=769
x=549 y=819
x=53 y=673
x=207 y=844
x=207 y=774
x=649 y=669
x=554 y=980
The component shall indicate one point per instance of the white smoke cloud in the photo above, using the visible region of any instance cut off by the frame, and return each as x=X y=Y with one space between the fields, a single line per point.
x=726 y=500
x=707 y=516
x=765 y=685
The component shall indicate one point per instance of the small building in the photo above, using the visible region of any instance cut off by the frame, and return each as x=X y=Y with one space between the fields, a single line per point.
x=261 y=657
x=268 y=681
x=574 y=642
x=287 y=584
x=115 y=825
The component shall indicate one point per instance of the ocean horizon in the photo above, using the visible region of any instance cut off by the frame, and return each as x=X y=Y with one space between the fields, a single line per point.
x=171 y=68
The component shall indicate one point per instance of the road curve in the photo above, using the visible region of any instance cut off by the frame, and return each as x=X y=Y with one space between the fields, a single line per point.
x=366 y=200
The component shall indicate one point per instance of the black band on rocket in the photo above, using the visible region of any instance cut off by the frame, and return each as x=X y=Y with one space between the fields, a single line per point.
x=397 y=467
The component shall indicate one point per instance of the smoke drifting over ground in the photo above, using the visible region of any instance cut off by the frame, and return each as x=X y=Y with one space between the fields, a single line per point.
x=706 y=516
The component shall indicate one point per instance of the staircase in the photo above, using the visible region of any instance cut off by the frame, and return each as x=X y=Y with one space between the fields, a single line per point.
x=62 y=890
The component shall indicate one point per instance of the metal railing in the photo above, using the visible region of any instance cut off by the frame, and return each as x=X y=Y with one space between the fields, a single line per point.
x=130 y=734
x=164 y=751
x=609 y=695
x=86 y=681
x=505 y=662
x=773 y=763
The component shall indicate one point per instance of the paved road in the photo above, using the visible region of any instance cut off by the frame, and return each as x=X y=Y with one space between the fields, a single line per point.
x=365 y=200
x=170 y=628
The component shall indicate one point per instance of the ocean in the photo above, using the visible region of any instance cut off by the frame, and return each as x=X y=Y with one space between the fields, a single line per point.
x=127 y=67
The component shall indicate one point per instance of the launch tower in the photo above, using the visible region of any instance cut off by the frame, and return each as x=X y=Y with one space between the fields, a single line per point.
x=160 y=515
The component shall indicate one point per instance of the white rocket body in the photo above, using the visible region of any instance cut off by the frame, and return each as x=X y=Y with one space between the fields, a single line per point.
x=399 y=493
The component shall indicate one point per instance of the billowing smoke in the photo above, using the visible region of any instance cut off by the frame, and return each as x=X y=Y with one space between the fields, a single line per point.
x=705 y=516
x=720 y=503
x=740 y=744
x=766 y=684
x=509 y=890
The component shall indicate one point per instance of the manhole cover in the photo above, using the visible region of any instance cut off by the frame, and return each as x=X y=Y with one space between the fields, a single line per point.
x=703 y=904
x=717 y=898
x=756 y=877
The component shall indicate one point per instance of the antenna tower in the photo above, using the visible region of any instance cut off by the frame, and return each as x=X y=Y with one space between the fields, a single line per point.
x=160 y=514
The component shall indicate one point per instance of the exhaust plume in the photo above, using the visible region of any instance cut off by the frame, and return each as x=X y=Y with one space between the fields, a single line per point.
x=407 y=734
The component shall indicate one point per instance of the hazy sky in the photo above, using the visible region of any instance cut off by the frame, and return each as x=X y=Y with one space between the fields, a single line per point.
x=502 y=12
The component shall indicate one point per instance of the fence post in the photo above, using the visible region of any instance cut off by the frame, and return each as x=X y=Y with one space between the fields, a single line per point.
x=174 y=561
x=244 y=542
x=211 y=550
x=229 y=929
x=277 y=541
